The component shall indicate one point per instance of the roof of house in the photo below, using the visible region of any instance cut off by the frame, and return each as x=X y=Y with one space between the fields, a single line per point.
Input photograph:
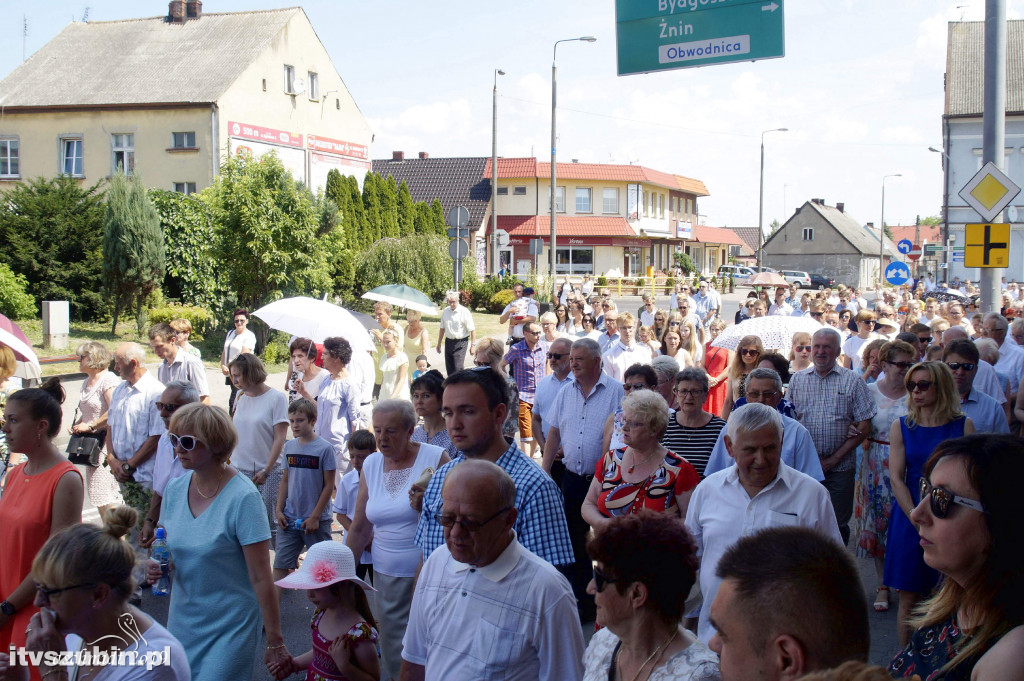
x=748 y=235
x=540 y=225
x=454 y=181
x=965 y=68
x=143 y=61
x=861 y=237
x=521 y=168
x=929 y=233
x=716 y=235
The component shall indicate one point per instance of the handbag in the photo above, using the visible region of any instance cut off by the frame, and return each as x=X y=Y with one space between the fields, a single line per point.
x=85 y=449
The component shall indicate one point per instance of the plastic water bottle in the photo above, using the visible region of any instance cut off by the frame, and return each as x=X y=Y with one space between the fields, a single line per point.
x=162 y=555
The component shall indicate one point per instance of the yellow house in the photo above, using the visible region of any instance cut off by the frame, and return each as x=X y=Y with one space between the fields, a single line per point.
x=166 y=98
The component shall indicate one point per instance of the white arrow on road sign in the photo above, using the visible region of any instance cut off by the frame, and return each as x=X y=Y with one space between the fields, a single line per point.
x=897 y=273
x=770 y=7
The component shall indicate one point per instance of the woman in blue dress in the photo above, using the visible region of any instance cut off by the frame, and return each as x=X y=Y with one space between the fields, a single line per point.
x=933 y=416
x=219 y=536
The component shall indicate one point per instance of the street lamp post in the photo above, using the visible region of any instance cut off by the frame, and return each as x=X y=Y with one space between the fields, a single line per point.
x=946 y=170
x=554 y=97
x=760 y=202
x=495 y=254
x=881 y=236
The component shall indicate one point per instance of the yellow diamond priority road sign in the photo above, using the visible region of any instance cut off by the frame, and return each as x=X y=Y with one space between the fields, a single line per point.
x=987 y=245
x=989 y=192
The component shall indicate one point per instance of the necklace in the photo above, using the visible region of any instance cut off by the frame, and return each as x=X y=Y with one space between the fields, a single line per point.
x=214 y=493
x=649 y=657
x=645 y=461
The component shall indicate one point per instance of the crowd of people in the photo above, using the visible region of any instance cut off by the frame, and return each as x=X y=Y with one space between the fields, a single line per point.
x=698 y=496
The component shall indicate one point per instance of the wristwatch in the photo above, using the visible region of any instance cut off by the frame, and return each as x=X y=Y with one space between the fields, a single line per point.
x=126 y=467
x=8 y=609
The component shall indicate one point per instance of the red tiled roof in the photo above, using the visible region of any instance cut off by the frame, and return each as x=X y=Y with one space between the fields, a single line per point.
x=540 y=225
x=930 y=233
x=717 y=235
x=521 y=168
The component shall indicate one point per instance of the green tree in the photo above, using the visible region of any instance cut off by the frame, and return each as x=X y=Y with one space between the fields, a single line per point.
x=355 y=218
x=15 y=301
x=51 y=231
x=267 y=230
x=406 y=211
x=133 y=247
x=193 y=271
x=388 y=192
x=371 y=209
x=420 y=261
x=932 y=220
x=438 y=218
x=423 y=220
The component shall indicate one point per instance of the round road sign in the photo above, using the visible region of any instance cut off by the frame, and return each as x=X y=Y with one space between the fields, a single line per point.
x=915 y=253
x=458 y=249
x=905 y=246
x=458 y=217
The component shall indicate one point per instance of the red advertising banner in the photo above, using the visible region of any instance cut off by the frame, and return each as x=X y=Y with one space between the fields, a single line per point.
x=261 y=134
x=587 y=241
x=332 y=146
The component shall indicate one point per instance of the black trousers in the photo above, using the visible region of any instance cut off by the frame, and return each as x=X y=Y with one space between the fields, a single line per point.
x=455 y=354
x=574 y=491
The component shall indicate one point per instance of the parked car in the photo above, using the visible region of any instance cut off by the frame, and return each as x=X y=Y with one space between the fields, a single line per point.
x=820 y=281
x=739 y=273
x=796 y=278
x=764 y=269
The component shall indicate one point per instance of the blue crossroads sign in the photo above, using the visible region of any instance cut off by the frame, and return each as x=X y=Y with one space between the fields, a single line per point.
x=897 y=273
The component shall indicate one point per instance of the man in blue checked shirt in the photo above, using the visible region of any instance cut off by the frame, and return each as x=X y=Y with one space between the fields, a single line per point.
x=474 y=410
x=526 y=361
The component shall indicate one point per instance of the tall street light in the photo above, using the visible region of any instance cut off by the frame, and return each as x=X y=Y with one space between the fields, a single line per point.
x=554 y=97
x=881 y=237
x=946 y=170
x=760 y=203
x=495 y=255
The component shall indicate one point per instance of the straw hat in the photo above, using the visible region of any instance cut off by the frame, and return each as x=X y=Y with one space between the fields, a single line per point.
x=326 y=563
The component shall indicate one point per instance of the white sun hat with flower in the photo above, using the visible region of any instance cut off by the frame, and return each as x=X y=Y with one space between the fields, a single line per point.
x=326 y=563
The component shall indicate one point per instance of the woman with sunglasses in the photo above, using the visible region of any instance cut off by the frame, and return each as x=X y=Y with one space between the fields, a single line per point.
x=588 y=328
x=217 y=530
x=239 y=341
x=933 y=415
x=562 y=318
x=646 y=566
x=660 y=324
x=969 y=524
x=800 y=352
x=83 y=580
x=873 y=500
x=852 y=346
x=748 y=354
x=637 y=377
x=692 y=432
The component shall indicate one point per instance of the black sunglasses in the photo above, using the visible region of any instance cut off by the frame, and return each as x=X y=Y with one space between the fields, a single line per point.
x=468 y=525
x=169 y=407
x=903 y=365
x=556 y=355
x=634 y=386
x=941 y=498
x=912 y=386
x=47 y=593
x=966 y=366
x=817 y=314
x=924 y=339
x=600 y=579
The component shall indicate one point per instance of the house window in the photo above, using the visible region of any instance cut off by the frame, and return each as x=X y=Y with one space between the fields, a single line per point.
x=687 y=211
x=313 y=83
x=583 y=200
x=519 y=191
x=609 y=200
x=122 y=147
x=185 y=187
x=71 y=156
x=808 y=234
x=653 y=214
x=661 y=205
x=9 y=149
x=559 y=199
x=644 y=201
x=183 y=140
x=289 y=79
x=502 y=191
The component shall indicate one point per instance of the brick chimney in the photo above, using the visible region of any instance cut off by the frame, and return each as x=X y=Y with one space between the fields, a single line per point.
x=176 y=11
x=840 y=206
x=397 y=155
x=193 y=9
x=424 y=154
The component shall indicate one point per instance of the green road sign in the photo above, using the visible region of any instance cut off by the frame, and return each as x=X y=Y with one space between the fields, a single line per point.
x=654 y=35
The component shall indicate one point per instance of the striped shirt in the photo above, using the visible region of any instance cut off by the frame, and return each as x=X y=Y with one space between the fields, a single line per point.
x=527 y=367
x=580 y=421
x=693 y=444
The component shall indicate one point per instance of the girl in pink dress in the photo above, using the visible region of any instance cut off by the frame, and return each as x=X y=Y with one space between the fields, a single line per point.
x=344 y=631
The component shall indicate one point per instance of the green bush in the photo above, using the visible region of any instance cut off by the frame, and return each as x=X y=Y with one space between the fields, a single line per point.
x=499 y=300
x=15 y=301
x=641 y=282
x=199 y=317
x=602 y=281
x=276 y=350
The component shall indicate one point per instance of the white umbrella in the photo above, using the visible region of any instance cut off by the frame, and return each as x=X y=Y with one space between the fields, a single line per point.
x=316 y=320
x=401 y=295
x=775 y=331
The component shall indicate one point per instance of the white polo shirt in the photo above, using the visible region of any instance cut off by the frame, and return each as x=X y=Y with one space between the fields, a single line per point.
x=620 y=357
x=133 y=419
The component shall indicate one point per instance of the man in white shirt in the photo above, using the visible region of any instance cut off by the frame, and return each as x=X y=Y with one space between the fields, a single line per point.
x=646 y=313
x=177 y=364
x=626 y=352
x=1011 y=357
x=929 y=283
x=360 y=370
x=458 y=333
x=133 y=421
x=780 y=307
x=707 y=302
x=548 y=387
x=758 y=491
x=520 y=311
x=485 y=607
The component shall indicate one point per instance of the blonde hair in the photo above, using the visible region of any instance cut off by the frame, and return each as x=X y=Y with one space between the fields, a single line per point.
x=690 y=345
x=383 y=306
x=183 y=325
x=493 y=348
x=211 y=425
x=86 y=554
x=799 y=338
x=97 y=356
x=650 y=407
x=626 y=318
x=947 y=398
x=8 y=363
x=736 y=367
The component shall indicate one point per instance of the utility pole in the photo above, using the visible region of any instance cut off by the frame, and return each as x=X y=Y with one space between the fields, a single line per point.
x=994 y=127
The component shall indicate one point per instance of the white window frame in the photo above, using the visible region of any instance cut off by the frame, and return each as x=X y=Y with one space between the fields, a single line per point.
x=808 y=234
x=559 y=199
x=122 y=150
x=289 y=79
x=62 y=142
x=6 y=158
x=589 y=197
x=313 y=85
x=614 y=198
x=186 y=137
x=185 y=188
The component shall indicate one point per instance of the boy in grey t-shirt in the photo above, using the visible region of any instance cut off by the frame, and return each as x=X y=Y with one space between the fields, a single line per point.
x=303 y=500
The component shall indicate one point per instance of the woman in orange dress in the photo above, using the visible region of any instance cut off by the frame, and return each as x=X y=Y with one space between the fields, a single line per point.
x=43 y=495
x=716 y=363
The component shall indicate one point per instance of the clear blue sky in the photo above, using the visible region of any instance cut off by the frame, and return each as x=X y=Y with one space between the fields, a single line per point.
x=860 y=89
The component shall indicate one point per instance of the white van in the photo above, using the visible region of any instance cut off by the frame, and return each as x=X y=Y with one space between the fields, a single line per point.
x=739 y=273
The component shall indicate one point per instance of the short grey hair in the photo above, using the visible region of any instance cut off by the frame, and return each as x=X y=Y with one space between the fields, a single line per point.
x=666 y=367
x=650 y=407
x=752 y=417
x=130 y=351
x=403 y=408
x=830 y=330
x=451 y=295
x=999 y=319
x=988 y=349
x=1017 y=326
x=561 y=341
x=97 y=356
x=549 y=318
x=694 y=374
x=589 y=344
x=187 y=392
x=765 y=372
